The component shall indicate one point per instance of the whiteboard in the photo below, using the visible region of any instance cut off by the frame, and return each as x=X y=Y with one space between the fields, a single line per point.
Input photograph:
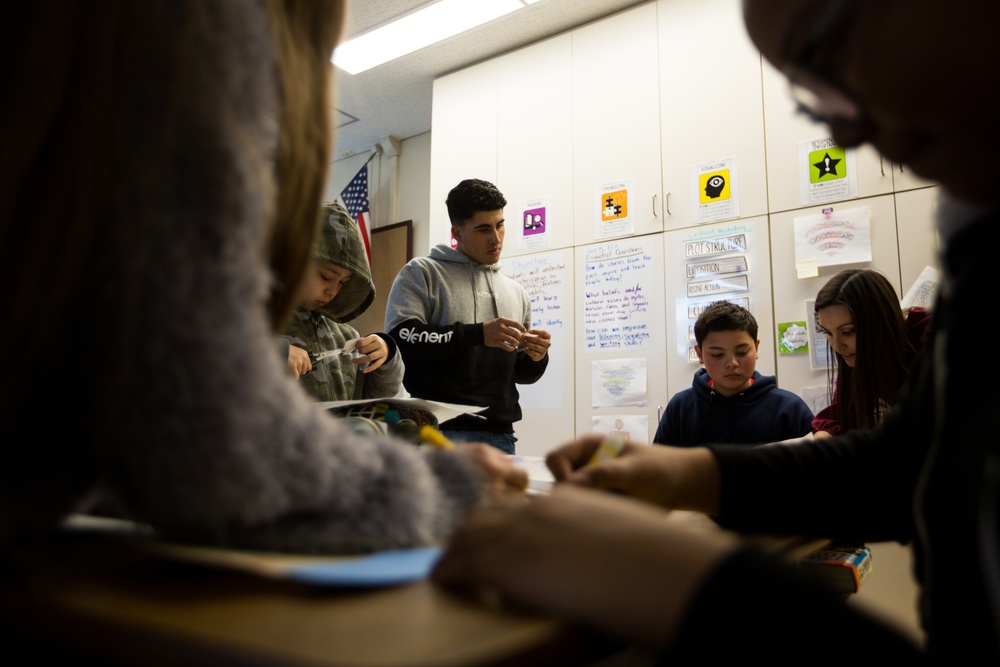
x=621 y=343
x=548 y=404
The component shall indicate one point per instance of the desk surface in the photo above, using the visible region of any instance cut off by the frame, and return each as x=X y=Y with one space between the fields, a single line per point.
x=114 y=600
x=103 y=597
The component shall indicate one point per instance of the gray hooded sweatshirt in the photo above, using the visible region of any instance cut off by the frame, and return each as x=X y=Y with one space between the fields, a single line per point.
x=435 y=311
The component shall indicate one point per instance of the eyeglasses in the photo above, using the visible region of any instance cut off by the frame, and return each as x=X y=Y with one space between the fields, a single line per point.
x=809 y=70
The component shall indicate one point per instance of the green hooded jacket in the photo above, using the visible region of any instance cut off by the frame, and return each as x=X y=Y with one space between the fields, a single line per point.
x=337 y=378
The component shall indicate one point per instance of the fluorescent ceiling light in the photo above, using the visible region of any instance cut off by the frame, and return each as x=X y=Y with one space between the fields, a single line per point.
x=431 y=24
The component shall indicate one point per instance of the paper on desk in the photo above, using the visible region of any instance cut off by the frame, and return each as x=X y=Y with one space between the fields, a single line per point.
x=383 y=568
x=380 y=569
x=443 y=411
x=540 y=479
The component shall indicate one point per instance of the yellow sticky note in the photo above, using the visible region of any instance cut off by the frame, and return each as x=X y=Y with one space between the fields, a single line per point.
x=807 y=268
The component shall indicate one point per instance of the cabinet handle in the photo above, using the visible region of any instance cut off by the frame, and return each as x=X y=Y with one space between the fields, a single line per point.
x=655 y=214
x=881 y=165
x=668 y=203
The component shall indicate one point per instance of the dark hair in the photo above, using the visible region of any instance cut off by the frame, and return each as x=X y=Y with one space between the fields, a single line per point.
x=471 y=196
x=883 y=350
x=724 y=316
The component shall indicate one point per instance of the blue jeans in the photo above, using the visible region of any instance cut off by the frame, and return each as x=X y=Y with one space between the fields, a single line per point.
x=502 y=441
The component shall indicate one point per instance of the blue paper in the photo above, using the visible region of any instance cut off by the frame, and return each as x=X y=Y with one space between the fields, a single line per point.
x=385 y=568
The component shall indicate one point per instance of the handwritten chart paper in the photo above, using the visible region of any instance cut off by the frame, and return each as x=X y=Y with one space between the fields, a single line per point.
x=618 y=314
x=544 y=277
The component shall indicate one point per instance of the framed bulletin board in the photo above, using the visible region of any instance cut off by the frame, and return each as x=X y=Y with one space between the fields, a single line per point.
x=391 y=249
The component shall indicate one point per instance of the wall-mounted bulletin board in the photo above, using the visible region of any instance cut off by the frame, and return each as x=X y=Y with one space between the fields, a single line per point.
x=392 y=247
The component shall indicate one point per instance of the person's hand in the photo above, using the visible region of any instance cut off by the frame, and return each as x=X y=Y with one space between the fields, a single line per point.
x=612 y=562
x=535 y=343
x=672 y=477
x=375 y=351
x=298 y=361
x=503 y=332
x=502 y=477
x=819 y=435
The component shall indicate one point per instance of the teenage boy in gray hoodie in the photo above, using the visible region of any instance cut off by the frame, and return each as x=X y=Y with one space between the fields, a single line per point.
x=463 y=326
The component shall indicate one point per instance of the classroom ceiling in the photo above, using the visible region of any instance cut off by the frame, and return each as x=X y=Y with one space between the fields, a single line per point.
x=394 y=99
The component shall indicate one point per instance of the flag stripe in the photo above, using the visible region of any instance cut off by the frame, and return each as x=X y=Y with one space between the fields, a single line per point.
x=355 y=199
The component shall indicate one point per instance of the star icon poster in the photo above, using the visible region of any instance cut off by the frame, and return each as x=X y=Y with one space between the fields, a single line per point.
x=827 y=171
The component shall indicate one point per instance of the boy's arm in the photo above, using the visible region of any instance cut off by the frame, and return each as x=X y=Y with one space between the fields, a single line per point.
x=387 y=379
x=408 y=313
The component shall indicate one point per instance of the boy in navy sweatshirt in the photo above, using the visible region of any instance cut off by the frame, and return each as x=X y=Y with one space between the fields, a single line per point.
x=729 y=400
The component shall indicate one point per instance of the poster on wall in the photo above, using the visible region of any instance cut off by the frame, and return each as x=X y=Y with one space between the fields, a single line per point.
x=715 y=190
x=816 y=397
x=618 y=382
x=547 y=280
x=923 y=290
x=613 y=217
x=617 y=284
x=818 y=345
x=716 y=268
x=833 y=237
x=534 y=215
x=630 y=427
x=793 y=338
x=827 y=171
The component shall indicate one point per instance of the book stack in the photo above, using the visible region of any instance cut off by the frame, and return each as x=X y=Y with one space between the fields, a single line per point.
x=843 y=568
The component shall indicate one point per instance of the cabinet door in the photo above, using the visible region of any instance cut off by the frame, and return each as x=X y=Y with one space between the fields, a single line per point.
x=904 y=179
x=463 y=138
x=616 y=120
x=785 y=130
x=711 y=108
x=535 y=146
x=918 y=240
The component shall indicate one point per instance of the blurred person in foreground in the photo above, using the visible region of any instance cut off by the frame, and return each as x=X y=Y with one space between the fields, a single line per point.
x=163 y=168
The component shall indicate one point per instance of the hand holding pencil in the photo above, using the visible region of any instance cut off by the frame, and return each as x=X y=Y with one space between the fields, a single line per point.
x=672 y=477
x=502 y=476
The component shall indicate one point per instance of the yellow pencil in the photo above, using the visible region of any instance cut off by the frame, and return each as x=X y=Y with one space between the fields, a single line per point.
x=609 y=448
x=432 y=436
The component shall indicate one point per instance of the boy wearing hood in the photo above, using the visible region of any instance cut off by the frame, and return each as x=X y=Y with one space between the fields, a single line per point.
x=729 y=400
x=339 y=289
x=463 y=326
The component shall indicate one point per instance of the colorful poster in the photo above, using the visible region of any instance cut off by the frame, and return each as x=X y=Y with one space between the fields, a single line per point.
x=793 y=338
x=613 y=210
x=827 y=171
x=833 y=237
x=535 y=216
x=618 y=382
x=715 y=190
x=630 y=427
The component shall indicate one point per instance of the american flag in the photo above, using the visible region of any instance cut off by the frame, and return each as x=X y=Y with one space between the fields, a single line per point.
x=355 y=199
